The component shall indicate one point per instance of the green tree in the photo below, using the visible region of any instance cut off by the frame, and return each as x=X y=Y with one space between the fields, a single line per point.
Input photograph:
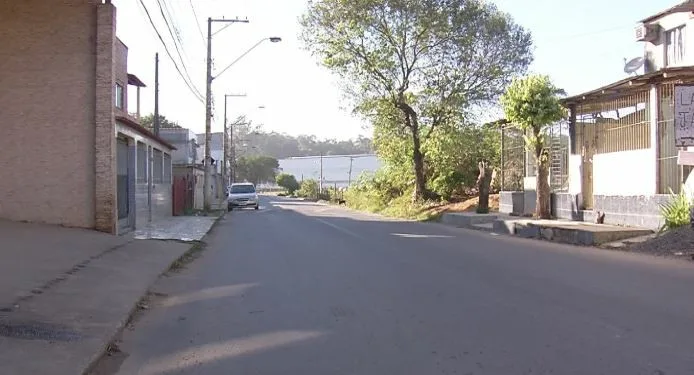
x=256 y=169
x=148 y=122
x=532 y=104
x=288 y=182
x=424 y=63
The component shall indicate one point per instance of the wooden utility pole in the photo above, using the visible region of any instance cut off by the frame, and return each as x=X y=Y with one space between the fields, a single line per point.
x=156 y=94
x=208 y=111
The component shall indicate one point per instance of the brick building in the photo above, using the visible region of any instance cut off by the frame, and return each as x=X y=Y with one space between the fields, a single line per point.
x=69 y=151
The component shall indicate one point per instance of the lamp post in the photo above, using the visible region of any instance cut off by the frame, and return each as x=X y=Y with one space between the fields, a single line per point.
x=208 y=100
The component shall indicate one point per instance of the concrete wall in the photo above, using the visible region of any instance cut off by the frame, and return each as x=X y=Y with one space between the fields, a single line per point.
x=184 y=141
x=47 y=111
x=575 y=165
x=627 y=210
x=624 y=173
x=635 y=210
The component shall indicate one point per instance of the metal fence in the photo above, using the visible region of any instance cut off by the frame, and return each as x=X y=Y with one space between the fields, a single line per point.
x=513 y=158
x=517 y=162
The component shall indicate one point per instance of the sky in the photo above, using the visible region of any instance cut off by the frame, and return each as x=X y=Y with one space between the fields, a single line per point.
x=581 y=45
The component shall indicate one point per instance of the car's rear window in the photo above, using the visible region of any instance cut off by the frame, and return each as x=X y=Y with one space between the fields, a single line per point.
x=242 y=189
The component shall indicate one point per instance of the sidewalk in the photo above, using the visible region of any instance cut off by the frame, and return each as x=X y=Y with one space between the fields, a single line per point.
x=65 y=293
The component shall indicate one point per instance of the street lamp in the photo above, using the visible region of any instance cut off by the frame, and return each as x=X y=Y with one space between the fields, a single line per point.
x=208 y=101
x=273 y=39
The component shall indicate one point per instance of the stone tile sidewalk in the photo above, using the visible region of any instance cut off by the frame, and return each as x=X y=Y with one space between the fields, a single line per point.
x=65 y=293
x=182 y=228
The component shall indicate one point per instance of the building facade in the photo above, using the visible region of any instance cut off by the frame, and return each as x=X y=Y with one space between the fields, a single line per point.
x=621 y=158
x=64 y=113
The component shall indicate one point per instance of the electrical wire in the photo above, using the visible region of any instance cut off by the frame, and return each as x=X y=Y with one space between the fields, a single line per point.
x=194 y=91
x=197 y=22
x=178 y=51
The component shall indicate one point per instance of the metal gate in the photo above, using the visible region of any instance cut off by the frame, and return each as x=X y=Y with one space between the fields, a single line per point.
x=182 y=195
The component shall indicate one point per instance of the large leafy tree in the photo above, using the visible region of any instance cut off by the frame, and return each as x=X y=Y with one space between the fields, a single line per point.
x=428 y=61
x=256 y=169
x=532 y=104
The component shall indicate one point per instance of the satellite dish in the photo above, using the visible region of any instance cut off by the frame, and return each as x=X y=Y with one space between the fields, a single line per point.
x=633 y=65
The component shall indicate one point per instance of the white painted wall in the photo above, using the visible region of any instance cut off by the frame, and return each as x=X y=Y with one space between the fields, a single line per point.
x=656 y=50
x=624 y=173
x=575 y=185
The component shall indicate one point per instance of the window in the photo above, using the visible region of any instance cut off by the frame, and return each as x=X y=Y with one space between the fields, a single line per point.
x=120 y=95
x=141 y=162
x=157 y=170
x=167 y=168
x=674 y=46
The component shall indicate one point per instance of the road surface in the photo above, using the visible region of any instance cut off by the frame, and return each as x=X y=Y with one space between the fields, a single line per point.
x=302 y=288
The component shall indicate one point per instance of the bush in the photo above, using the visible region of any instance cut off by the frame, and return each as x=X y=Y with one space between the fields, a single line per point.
x=287 y=182
x=676 y=212
x=308 y=189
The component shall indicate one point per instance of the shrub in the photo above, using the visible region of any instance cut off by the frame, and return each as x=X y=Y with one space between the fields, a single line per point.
x=676 y=212
x=308 y=189
x=287 y=182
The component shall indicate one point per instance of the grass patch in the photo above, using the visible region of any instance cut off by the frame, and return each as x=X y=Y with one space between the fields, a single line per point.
x=403 y=207
x=189 y=256
x=400 y=207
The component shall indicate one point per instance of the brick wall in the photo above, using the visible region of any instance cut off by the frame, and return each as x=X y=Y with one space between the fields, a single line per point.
x=103 y=141
x=47 y=111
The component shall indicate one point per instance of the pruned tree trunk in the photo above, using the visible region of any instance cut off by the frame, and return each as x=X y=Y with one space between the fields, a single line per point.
x=543 y=209
x=483 y=186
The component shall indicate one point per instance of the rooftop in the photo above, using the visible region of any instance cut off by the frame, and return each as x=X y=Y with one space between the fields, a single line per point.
x=632 y=84
x=687 y=6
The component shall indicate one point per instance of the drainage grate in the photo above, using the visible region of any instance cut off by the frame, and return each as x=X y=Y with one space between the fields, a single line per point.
x=37 y=331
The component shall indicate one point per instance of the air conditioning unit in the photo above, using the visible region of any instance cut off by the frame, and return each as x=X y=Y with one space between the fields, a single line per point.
x=646 y=33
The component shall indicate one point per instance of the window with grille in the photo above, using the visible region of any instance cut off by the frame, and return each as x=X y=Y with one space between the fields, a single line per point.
x=119 y=93
x=675 y=45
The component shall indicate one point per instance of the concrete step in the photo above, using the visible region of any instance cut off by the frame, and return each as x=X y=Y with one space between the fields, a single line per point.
x=467 y=219
x=487 y=227
x=575 y=233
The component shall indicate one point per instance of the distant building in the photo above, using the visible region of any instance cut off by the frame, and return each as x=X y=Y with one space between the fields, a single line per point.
x=216 y=149
x=185 y=141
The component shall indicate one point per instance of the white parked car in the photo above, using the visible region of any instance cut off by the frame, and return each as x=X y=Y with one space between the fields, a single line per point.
x=242 y=195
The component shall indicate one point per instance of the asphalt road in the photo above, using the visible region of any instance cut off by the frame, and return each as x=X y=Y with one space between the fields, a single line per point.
x=301 y=288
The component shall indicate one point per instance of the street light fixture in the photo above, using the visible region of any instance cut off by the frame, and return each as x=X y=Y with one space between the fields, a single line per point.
x=273 y=39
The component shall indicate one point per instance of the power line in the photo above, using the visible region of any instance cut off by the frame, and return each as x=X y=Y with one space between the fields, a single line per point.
x=178 y=51
x=197 y=22
x=195 y=92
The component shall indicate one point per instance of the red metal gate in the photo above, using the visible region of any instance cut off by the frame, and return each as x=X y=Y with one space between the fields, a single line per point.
x=180 y=188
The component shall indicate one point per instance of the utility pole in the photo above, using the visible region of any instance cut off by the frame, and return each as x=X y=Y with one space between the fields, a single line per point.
x=320 y=183
x=208 y=110
x=156 y=94
x=155 y=124
x=225 y=145
x=349 y=178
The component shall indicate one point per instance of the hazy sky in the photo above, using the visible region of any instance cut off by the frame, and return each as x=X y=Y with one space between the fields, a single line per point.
x=580 y=44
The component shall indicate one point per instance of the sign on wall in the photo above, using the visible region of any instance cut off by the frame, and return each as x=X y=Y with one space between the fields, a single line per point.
x=684 y=115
